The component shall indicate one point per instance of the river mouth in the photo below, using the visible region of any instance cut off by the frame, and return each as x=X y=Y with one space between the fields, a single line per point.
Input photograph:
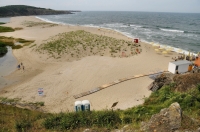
x=8 y=64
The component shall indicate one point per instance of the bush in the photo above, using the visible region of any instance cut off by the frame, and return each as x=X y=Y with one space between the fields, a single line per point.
x=6 y=29
x=68 y=121
x=3 y=49
x=22 y=125
x=1 y=23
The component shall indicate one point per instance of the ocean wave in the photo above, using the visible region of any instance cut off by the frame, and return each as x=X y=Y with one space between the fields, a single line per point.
x=137 y=26
x=124 y=26
x=192 y=32
x=46 y=20
x=163 y=27
x=171 y=30
x=91 y=25
x=112 y=25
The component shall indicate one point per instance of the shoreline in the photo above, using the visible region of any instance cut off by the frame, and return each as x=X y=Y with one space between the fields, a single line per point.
x=123 y=33
x=74 y=77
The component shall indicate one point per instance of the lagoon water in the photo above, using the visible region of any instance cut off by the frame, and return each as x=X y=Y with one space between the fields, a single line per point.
x=8 y=65
x=179 y=30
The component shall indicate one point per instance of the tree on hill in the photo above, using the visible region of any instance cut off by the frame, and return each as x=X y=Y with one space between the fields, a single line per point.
x=23 y=10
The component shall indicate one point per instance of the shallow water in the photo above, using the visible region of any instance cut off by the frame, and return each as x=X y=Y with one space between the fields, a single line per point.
x=8 y=64
x=5 y=19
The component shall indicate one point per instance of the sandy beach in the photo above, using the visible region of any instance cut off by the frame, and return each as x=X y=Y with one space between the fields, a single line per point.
x=62 y=79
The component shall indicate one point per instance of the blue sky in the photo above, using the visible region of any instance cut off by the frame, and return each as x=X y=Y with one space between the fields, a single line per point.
x=189 y=6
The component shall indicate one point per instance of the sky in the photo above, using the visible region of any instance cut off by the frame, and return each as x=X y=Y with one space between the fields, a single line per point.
x=182 y=6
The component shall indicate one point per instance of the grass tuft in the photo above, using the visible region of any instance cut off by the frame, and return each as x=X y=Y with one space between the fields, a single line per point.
x=6 y=29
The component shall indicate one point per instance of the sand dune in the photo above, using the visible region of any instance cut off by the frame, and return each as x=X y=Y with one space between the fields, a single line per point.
x=62 y=79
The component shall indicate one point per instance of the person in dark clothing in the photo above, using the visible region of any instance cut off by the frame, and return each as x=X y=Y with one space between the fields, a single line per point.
x=18 y=66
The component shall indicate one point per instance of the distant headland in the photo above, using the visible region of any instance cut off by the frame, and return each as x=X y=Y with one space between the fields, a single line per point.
x=24 y=10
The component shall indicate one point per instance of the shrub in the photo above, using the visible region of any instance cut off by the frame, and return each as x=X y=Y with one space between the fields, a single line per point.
x=74 y=120
x=6 y=29
x=3 y=49
x=22 y=125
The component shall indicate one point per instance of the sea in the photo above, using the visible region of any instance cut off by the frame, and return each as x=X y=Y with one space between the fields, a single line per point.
x=178 y=30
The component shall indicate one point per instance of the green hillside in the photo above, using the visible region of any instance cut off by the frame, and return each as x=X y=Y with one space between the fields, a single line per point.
x=23 y=10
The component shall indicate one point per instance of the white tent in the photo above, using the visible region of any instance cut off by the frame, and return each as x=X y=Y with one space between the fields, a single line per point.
x=181 y=66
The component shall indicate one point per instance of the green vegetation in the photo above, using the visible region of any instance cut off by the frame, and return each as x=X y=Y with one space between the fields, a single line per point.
x=23 y=10
x=16 y=119
x=32 y=46
x=1 y=23
x=18 y=28
x=70 y=121
x=33 y=24
x=77 y=44
x=3 y=49
x=6 y=29
x=25 y=120
x=9 y=41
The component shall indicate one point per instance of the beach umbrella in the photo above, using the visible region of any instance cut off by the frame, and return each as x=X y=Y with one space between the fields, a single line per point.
x=165 y=47
x=152 y=43
x=189 y=54
x=168 y=50
x=156 y=45
x=164 y=52
x=161 y=48
x=180 y=51
x=171 y=48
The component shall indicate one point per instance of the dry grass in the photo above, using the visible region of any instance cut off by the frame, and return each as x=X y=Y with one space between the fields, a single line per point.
x=11 y=42
x=34 y=24
x=78 y=44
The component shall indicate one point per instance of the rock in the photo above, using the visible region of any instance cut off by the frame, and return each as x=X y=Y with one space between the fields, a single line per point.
x=169 y=119
x=86 y=130
x=160 y=80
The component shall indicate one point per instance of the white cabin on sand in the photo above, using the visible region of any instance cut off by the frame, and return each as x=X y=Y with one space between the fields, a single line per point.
x=181 y=66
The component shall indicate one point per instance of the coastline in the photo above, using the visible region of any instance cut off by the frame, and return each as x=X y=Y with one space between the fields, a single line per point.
x=175 y=49
x=70 y=78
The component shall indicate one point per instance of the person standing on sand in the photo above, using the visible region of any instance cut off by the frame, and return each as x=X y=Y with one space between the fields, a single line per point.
x=23 y=68
x=18 y=67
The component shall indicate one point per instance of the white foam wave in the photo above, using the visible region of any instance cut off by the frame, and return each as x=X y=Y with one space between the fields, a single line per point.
x=137 y=26
x=112 y=24
x=124 y=26
x=91 y=25
x=46 y=20
x=172 y=30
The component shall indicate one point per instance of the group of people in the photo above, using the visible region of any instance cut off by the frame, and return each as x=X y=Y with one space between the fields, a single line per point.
x=179 y=58
x=182 y=57
x=20 y=66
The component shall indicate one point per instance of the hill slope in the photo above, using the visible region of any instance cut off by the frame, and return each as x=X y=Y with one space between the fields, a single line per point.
x=23 y=10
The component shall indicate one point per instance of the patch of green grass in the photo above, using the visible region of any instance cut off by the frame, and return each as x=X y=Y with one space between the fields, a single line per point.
x=15 y=119
x=9 y=41
x=3 y=49
x=32 y=46
x=18 y=28
x=70 y=121
x=18 y=119
x=38 y=103
x=1 y=23
x=6 y=29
